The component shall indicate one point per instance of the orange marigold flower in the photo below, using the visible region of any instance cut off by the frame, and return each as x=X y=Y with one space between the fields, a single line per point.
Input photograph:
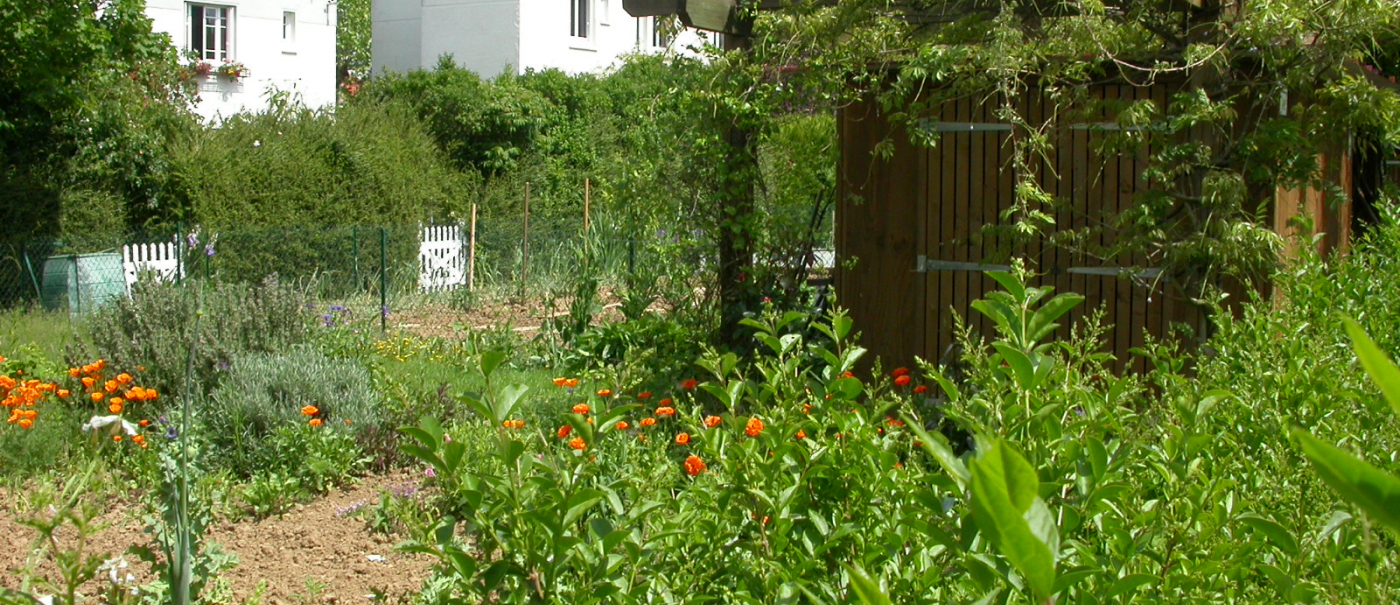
x=116 y=438
x=73 y=372
x=902 y=380
x=115 y=408
x=665 y=411
x=581 y=408
x=145 y=422
x=711 y=421
x=753 y=427
x=682 y=438
x=516 y=424
x=310 y=410
x=565 y=430
x=110 y=386
x=622 y=425
x=571 y=383
x=138 y=439
x=577 y=443
x=689 y=384
x=801 y=434
x=561 y=381
x=100 y=364
x=920 y=389
x=151 y=394
x=88 y=381
x=848 y=374
x=123 y=378
x=644 y=395
x=694 y=465
x=900 y=371
x=605 y=392
x=140 y=368
x=314 y=422
x=26 y=423
x=806 y=408
x=894 y=422
x=64 y=393
x=648 y=421
x=96 y=397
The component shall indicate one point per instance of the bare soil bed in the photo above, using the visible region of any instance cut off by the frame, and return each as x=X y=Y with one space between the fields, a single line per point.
x=313 y=545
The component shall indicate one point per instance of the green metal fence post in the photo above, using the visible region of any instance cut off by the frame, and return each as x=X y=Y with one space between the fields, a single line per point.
x=76 y=306
x=29 y=266
x=384 y=280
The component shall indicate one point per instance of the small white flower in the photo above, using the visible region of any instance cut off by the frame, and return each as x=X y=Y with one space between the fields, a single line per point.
x=257 y=143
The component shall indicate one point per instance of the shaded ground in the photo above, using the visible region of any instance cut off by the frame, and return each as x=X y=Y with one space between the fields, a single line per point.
x=313 y=553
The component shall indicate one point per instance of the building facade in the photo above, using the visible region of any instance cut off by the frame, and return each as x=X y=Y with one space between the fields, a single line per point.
x=244 y=51
x=492 y=36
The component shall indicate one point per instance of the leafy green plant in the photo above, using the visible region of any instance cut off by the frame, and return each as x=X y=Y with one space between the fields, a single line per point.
x=1369 y=488
x=272 y=493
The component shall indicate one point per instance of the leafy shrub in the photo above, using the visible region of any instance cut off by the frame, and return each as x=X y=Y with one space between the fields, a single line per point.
x=253 y=420
x=155 y=329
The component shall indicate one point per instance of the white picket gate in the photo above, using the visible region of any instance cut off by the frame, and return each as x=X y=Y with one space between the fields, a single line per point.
x=442 y=258
x=162 y=260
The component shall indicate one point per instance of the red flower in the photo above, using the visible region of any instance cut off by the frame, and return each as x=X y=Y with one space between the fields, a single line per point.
x=901 y=371
x=920 y=389
x=565 y=430
x=903 y=380
x=689 y=384
x=644 y=395
x=711 y=421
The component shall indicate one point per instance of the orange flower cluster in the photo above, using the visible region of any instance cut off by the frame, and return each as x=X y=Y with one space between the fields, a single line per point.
x=567 y=383
x=582 y=409
x=23 y=396
x=516 y=424
x=118 y=392
x=694 y=466
x=753 y=427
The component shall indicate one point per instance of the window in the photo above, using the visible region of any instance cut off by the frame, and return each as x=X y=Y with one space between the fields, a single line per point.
x=289 y=27
x=579 y=24
x=211 y=32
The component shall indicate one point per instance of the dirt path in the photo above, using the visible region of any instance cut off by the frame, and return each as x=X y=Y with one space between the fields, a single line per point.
x=314 y=553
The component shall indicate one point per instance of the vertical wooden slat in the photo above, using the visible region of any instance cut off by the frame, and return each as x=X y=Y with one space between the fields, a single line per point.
x=961 y=177
x=1093 y=204
x=947 y=192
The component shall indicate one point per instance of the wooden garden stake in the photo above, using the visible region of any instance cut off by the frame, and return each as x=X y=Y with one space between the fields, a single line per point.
x=471 y=254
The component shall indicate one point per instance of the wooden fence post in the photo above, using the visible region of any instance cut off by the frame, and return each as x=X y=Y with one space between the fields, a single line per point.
x=525 y=243
x=471 y=255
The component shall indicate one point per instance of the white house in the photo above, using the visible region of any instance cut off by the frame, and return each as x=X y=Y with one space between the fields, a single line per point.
x=282 y=45
x=489 y=36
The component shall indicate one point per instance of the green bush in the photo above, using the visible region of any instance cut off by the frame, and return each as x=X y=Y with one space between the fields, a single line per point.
x=253 y=419
x=155 y=328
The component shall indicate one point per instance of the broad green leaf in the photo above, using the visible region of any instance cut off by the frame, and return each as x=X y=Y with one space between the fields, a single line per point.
x=846 y=388
x=1381 y=368
x=1366 y=486
x=1043 y=322
x=1008 y=509
x=1129 y=582
x=1021 y=367
x=866 y=589
x=937 y=446
x=1010 y=282
x=505 y=404
x=580 y=502
x=491 y=360
x=1276 y=534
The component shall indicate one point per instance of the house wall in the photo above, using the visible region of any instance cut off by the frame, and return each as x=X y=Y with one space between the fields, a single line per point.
x=491 y=36
x=304 y=66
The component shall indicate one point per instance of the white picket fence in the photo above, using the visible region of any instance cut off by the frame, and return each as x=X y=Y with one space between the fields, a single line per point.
x=442 y=258
x=162 y=260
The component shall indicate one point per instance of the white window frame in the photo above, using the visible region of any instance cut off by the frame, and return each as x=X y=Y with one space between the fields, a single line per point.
x=588 y=23
x=289 y=33
x=214 y=56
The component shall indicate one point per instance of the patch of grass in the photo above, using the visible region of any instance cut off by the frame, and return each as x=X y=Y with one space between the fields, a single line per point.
x=49 y=332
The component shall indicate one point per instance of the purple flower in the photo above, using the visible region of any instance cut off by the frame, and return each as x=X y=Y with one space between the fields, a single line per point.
x=340 y=308
x=209 y=249
x=384 y=311
x=171 y=433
